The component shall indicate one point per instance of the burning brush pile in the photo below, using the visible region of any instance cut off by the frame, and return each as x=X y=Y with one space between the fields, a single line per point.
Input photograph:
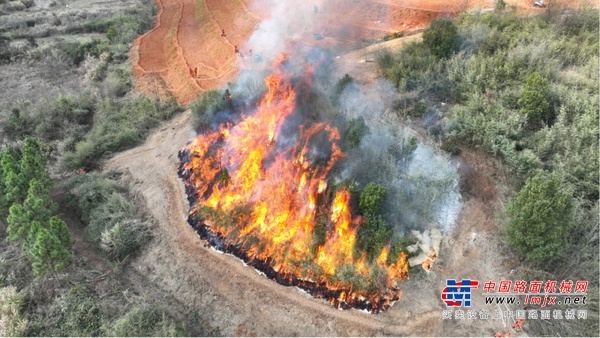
x=259 y=187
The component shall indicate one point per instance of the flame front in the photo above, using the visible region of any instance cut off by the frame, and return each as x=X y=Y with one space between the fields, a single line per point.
x=262 y=189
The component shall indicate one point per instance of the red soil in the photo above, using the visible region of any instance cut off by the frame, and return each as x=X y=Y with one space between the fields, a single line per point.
x=187 y=34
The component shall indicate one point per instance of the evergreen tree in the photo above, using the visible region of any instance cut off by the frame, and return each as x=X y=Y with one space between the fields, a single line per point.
x=12 y=188
x=37 y=208
x=47 y=253
x=33 y=161
x=540 y=218
x=60 y=230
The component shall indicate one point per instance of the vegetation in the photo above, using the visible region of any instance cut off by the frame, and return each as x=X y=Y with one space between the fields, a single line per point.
x=119 y=126
x=441 y=38
x=375 y=232
x=354 y=132
x=525 y=89
x=345 y=82
x=113 y=223
x=540 y=217
x=533 y=102
x=31 y=220
x=207 y=105
x=13 y=321
x=74 y=123
x=146 y=322
x=75 y=314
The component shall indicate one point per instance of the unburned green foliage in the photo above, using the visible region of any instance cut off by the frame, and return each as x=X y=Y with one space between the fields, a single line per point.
x=540 y=218
x=206 y=106
x=441 y=37
x=146 y=321
x=113 y=223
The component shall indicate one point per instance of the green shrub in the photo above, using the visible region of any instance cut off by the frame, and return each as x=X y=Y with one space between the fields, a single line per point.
x=540 y=218
x=204 y=108
x=112 y=221
x=371 y=199
x=76 y=52
x=119 y=81
x=119 y=126
x=339 y=87
x=441 y=38
x=534 y=100
x=398 y=246
x=392 y=36
x=75 y=314
x=376 y=231
x=354 y=132
x=146 y=321
x=84 y=193
x=107 y=214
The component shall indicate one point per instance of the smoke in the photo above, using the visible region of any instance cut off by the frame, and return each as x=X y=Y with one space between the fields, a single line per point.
x=422 y=184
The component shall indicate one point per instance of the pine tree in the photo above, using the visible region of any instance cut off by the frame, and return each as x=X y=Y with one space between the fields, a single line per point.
x=60 y=230
x=47 y=253
x=37 y=208
x=12 y=188
x=33 y=161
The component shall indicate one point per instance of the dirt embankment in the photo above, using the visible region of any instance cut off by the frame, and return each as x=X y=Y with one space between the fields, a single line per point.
x=187 y=36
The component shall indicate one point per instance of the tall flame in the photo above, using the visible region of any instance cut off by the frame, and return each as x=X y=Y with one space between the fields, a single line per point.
x=276 y=178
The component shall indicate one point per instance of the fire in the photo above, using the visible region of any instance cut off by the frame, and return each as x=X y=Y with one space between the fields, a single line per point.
x=257 y=191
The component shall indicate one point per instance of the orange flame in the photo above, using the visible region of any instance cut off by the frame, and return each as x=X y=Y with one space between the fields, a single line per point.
x=282 y=188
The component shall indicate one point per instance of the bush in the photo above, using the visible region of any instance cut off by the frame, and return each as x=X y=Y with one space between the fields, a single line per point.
x=375 y=232
x=13 y=321
x=533 y=102
x=73 y=315
x=339 y=88
x=354 y=133
x=204 y=108
x=124 y=238
x=441 y=38
x=76 y=52
x=113 y=224
x=540 y=218
x=145 y=321
x=119 y=126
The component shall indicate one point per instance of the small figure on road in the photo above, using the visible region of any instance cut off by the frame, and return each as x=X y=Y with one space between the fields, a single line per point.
x=223 y=32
